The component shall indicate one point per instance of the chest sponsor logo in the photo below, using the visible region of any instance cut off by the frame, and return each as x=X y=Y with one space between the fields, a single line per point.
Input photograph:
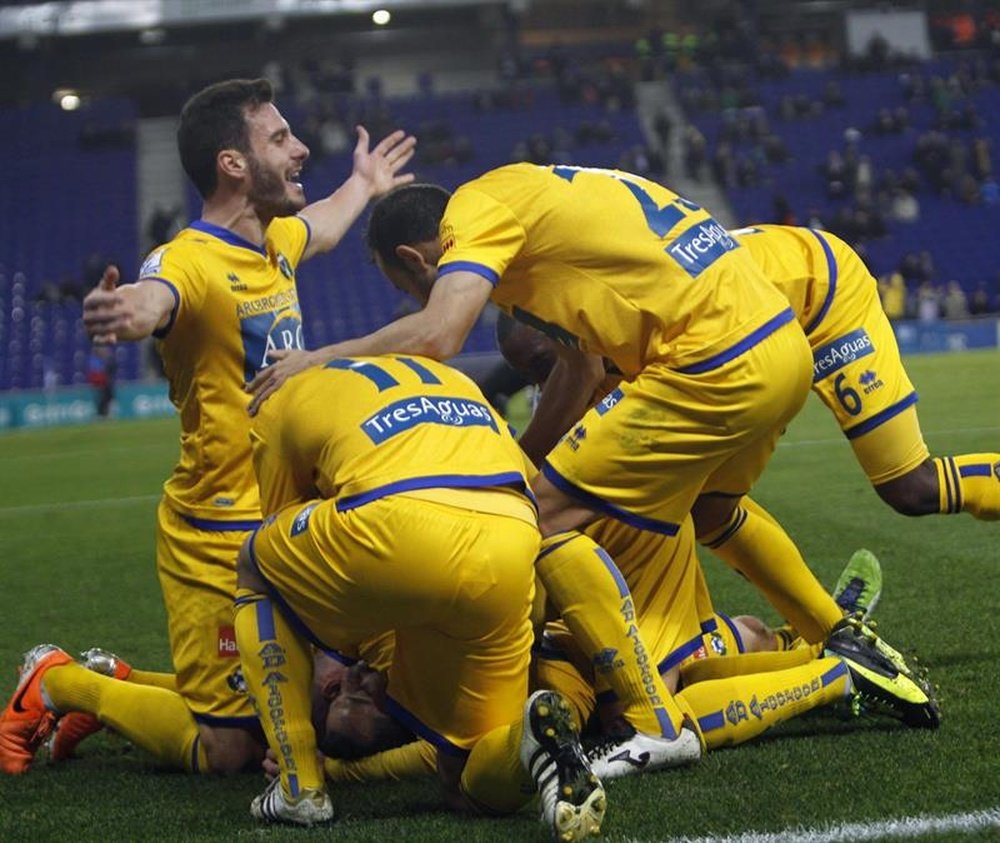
x=842 y=351
x=701 y=246
x=266 y=332
x=408 y=413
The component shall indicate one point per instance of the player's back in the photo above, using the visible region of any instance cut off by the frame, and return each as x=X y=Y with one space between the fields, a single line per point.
x=609 y=261
x=358 y=429
x=814 y=270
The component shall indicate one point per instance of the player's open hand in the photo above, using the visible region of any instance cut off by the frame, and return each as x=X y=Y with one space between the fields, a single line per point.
x=104 y=310
x=380 y=166
x=287 y=362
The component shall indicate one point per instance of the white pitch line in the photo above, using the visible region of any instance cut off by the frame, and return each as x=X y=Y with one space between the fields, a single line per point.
x=902 y=828
x=59 y=506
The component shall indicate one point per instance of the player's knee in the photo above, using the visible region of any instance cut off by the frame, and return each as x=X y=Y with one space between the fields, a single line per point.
x=231 y=750
x=913 y=494
x=756 y=635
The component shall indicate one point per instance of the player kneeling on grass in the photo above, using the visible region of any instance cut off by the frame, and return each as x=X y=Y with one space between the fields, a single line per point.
x=397 y=499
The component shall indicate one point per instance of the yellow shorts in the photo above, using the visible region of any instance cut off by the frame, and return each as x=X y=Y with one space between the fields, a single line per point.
x=645 y=453
x=858 y=373
x=455 y=584
x=197 y=570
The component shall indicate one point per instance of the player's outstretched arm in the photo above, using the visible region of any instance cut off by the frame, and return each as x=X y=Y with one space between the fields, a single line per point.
x=438 y=331
x=376 y=171
x=114 y=314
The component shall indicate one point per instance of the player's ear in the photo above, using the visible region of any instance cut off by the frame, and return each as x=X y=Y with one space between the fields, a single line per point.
x=413 y=259
x=232 y=163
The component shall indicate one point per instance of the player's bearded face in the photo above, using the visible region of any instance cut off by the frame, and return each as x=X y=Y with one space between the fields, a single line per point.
x=271 y=191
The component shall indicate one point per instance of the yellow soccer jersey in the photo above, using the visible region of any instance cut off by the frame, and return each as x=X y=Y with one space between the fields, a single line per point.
x=234 y=303
x=359 y=429
x=612 y=263
x=801 y=263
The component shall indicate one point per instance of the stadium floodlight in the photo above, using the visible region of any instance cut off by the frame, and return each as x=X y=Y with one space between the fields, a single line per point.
x=380 y=17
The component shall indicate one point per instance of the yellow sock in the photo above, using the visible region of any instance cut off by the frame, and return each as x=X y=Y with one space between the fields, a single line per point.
x=590 y=593
x=155 y=719
x=731 y=711
x=970 y=483
x=153 y=678
x=278 y=667
x=756 y=545
x=411 y=760
x=494 y=779
x=723 y=667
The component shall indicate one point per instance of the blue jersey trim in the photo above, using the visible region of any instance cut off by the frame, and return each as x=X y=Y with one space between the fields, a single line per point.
x=833 y=674
x=411 y=722
x=227 y=236
x=210 y=525
x=665 y=528
x=439 y=481
x=231 y=722
x=490 y=275
x=831 y=270
x=309 y=231
x=160 y=333
x=744 y=345
x=979 y=469
x=881 y=418
x=740 y=646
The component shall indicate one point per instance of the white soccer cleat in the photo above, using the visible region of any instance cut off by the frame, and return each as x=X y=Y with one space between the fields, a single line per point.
x=571 y=796
x=628 y=752
x=308 y=808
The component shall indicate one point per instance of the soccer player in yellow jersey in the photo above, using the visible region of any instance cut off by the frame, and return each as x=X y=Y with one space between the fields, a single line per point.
x=613 y=266
x=858 y=373
x=396 y=499
x=218 y=298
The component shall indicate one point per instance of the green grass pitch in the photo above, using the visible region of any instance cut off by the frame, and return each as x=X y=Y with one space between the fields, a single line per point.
x=76 y=568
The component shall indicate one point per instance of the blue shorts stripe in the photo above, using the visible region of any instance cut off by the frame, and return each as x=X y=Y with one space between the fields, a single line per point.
x=740 y=646
x=654 y=525
x=710 y=722
x=293 y=785
x=553 y=547
x=831 y=271
x=744 y=345
x=881 y=418
x=681 y=653
x=411 y=722
x=210 y=525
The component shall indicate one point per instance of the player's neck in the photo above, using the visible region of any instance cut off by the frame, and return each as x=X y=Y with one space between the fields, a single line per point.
x=236 y=215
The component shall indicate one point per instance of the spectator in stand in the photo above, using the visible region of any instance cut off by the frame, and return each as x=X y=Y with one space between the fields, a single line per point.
x=905 y=206
x=928 y=303
x=979 y=304
x=893 y=294
x=955 y=304
x=101 y=369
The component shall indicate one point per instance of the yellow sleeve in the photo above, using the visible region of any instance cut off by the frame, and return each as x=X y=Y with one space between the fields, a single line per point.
x=173 y=266
x=290 y=236
x=410 y=761
x=479 y=234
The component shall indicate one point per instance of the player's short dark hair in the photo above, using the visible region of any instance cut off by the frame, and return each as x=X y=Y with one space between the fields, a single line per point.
x=215 y=119
x=407 y=215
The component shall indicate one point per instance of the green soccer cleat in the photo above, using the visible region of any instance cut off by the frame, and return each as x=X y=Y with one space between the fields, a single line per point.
x=860 y=585
x=877 y=682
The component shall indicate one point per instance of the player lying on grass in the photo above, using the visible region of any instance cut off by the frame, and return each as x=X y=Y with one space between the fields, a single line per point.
x=735 y=694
